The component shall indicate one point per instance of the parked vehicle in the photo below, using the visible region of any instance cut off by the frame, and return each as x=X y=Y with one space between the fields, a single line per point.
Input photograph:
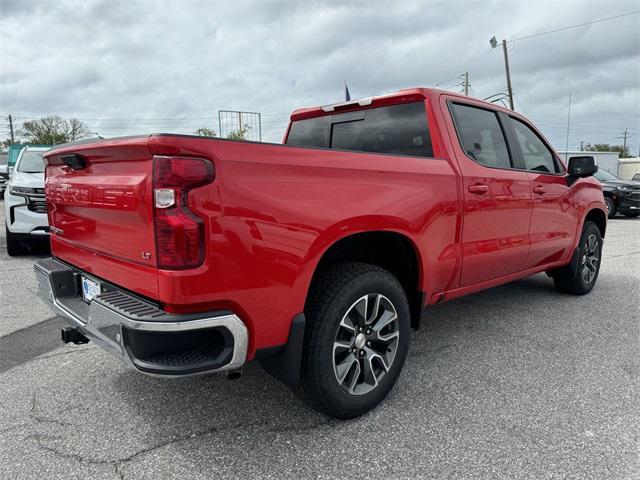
x=13 y=154
x=4 y=172
x=620 y=196
x=636 y=177
x=185 y=255
x=24 y=203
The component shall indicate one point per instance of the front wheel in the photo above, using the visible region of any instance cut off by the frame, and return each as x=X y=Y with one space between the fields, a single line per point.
x=590 y=253
x=356 y=339
x=632 y=214
x=611 y=207
x=14 y=247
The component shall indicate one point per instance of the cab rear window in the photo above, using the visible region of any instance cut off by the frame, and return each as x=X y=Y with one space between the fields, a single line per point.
x=395 y=129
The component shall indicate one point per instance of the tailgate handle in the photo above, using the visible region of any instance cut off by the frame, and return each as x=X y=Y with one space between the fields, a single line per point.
x=74 y=161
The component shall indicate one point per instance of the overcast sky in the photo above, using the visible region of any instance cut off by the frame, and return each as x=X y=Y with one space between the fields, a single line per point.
x=126 y=67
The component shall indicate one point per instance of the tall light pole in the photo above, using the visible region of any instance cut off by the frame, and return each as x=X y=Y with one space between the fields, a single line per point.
x=494 y=43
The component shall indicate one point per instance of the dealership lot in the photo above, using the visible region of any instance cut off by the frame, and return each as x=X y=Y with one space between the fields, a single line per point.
x=516 y=382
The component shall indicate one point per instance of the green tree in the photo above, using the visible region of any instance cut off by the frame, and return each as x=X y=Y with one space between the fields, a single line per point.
x=53 y=130
x=606 y=147
x=240 y=134
x=205 y=132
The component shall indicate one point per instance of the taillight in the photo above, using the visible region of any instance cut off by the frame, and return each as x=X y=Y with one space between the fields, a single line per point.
x=179 y=232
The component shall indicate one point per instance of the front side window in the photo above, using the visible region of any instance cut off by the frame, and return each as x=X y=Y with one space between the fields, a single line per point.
x=395 y=129
x=31 y=162
x=481 y=136
x=537 y=157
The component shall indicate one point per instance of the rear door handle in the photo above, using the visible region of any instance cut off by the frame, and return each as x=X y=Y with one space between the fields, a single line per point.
x=478 y=188
x=539 y=189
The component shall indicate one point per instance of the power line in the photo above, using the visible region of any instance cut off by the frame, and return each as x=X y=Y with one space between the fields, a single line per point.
x=444 y=82
x=539 y=34
x=142 y=119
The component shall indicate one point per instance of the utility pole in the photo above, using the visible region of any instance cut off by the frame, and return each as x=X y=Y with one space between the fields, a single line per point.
x=624 y=136
x=494 y=43
x=582 y=145
x=11 y=129
x=506 y=66
x=465 y=83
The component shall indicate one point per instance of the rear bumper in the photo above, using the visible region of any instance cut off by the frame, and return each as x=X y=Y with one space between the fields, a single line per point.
x=141 y=334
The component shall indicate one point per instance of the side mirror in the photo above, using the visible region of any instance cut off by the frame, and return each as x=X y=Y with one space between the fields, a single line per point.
x=582 y=166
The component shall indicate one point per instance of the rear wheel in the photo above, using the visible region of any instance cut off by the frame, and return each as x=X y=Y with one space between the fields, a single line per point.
x=632 y=214
x=14 y=247
x=356 y=339
x=590 y=253
x=611 y=207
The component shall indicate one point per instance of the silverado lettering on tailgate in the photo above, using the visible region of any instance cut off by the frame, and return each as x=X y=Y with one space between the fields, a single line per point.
x=98 y=196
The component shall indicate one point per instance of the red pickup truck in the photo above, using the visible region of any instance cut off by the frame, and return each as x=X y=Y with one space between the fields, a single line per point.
x=186 y=255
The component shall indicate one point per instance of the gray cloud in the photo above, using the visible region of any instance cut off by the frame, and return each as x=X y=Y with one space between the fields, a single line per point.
x=141 y=66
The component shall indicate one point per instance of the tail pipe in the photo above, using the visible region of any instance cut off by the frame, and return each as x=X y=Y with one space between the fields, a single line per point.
x=72 y=335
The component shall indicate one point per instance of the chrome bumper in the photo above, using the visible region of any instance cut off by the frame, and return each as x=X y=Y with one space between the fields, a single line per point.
x=131 y=328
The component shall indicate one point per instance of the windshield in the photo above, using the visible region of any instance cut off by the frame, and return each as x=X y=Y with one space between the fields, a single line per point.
x=605 y=176
x=31 y=162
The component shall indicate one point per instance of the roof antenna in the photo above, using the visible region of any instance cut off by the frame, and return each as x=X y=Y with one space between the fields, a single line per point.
x=347 y=95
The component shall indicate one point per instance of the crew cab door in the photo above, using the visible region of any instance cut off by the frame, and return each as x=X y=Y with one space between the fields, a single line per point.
x=553 y=218
x=497 y=197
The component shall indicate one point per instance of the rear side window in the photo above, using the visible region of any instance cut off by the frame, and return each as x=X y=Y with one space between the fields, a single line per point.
x=536 y=155
x=313 y=132
x=396 y=129
x=481 y=136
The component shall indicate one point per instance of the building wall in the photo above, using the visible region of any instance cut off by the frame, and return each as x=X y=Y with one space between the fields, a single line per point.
x=605 y=160
x=628 y=167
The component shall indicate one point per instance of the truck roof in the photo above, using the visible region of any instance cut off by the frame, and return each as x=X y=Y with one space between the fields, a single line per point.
x=401 y=96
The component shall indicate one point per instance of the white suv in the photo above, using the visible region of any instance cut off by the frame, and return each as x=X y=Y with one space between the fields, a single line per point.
x=25 y=206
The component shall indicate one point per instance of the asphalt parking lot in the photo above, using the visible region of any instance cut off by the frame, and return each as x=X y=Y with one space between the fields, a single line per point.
x=516 y=382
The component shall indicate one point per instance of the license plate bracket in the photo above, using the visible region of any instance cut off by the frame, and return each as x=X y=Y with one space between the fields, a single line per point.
x=90 y=288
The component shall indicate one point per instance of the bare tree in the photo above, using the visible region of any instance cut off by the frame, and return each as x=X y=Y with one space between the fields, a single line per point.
x=53 y=130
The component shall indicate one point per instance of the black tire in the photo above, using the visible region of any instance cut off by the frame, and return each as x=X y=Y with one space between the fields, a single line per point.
x=14 y=247
x=632 y=214
x=611 y=207
x=331 y=298
x=578 y=282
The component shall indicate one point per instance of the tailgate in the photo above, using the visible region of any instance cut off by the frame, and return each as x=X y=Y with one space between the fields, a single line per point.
x=101 y=213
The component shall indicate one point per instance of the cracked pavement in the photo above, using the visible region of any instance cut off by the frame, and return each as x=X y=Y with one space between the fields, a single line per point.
x=516 y=382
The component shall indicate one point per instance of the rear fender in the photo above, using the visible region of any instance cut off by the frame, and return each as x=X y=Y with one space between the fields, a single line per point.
x=346 y=228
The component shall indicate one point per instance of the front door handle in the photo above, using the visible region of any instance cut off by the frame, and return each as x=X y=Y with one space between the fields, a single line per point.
x=539 y=189
x=478 y=188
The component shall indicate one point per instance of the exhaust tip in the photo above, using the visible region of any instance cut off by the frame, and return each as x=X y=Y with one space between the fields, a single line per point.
x=71 y=335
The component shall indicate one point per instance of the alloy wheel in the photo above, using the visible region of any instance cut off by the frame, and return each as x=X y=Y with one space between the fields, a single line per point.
x=366 y=344
x=590 y=259
x=609 y=205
